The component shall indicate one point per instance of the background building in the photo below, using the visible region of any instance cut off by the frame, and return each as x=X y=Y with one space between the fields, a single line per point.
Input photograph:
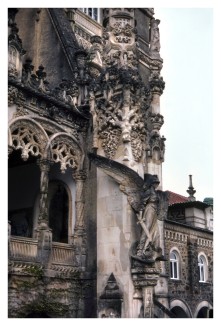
x=85 y=155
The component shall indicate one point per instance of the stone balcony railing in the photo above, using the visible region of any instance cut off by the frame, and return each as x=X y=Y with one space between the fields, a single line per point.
x=28 y=250
x=21 y=248
x=62 y=253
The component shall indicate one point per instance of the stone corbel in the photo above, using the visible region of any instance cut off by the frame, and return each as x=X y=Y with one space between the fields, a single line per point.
x=145 y=278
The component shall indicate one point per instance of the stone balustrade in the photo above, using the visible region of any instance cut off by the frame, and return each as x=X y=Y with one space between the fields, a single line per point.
x=26 y=249
x=21 y=248
x=62 y=253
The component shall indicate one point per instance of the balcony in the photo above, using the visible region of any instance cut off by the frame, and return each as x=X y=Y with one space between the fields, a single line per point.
x=29 y=250
x=23 y=249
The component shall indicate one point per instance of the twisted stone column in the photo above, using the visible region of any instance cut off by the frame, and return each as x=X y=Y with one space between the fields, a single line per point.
x=43 y=214
x=79 y=230
x=42 y=232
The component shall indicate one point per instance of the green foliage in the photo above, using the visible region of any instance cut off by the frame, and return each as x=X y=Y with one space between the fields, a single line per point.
x=34 y=271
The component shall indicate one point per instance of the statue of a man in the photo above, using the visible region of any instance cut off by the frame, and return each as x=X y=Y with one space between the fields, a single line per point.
x=155 y=36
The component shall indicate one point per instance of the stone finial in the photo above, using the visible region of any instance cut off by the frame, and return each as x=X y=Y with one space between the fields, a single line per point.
x=191 y=190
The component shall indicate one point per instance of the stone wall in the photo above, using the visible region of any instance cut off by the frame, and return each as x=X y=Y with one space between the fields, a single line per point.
x=189 y=242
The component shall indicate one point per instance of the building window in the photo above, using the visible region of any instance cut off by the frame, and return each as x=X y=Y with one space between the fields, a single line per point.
x=92 y=12
x=174 y=265
x=202 y=269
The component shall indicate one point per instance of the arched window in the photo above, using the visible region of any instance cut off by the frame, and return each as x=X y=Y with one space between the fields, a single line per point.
x=92 y=12
x=202 y=264
x=174 y=265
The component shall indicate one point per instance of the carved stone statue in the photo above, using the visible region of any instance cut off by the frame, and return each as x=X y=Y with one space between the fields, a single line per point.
x=155 y=36
x=149 y=244
x=149 y=204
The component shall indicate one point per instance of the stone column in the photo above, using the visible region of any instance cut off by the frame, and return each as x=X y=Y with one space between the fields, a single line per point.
x=43 y=232
x=156 y=147
x=43 y=212
x=79 y=237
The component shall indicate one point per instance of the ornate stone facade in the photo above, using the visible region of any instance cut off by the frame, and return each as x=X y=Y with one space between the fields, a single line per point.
x=86 y=220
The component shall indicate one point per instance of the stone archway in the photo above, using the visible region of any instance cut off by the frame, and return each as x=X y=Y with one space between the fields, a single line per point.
x=204 y=310
x=180 y=309
x=179 y=312
x=27 y=143
x=28 y=136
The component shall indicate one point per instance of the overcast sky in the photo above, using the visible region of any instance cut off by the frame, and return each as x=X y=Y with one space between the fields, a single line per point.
x=187 y=101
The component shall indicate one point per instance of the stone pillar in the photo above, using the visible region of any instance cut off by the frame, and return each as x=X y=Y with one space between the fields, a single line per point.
x=79 y=237
x=43 y=232
x=145 y=278
x=43 y=211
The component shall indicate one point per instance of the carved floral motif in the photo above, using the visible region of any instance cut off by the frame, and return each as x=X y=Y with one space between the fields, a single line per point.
x=66 y=152
x=27 y=137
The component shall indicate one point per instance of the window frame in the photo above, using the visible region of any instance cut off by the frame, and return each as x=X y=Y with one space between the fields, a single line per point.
x=92 y=15
x=202 y=268
x=174 y=265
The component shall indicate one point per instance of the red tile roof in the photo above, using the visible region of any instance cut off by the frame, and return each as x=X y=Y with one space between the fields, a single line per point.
x=176 y=198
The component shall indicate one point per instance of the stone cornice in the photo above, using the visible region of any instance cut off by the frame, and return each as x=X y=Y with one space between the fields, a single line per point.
x=189 y=229
x=47 y=97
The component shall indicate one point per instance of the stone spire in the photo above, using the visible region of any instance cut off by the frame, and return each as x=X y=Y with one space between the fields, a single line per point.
x=191 y=190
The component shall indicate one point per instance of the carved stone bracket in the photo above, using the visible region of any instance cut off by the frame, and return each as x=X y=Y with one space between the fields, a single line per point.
x=146 y=278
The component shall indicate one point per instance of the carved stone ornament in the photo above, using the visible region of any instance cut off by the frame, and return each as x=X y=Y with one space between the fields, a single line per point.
x=109 y=304
x=120 y=114
x=15 y=51
x=156 y=146
x=155 y=36
x=122 y=33
x=12 y=94
x=157 y=84
x=28 y=137
x=66 y=152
